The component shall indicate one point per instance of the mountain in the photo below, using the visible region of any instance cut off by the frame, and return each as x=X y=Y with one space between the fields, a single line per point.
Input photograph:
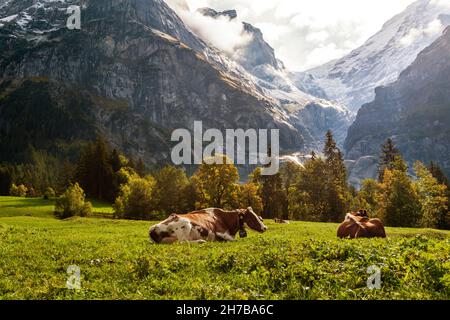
x=133 y=73
x=311 y=114
x=414 y=111
x=352 y=79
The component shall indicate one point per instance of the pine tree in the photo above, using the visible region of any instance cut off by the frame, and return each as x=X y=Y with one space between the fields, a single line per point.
x=438 y=173
x=94 y=171
x=387 y=158
x=5 y=181
x=290 y=173
x=336 y=175
x=141 y=168
x=66 y=177
x=115 y=161
x=270 y=190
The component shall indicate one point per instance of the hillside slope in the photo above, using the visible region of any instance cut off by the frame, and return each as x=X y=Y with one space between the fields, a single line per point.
x=414 y=111
x=133 y=73
x=351 y=80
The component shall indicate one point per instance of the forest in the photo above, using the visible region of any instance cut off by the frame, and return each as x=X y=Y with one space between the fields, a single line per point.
x=318 y=191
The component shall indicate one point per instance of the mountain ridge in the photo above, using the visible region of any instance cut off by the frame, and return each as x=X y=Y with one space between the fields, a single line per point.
x=352 y=80
x=418 y=105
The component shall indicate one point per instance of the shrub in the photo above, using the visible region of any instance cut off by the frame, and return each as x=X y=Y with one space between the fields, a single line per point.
x=18 y=191
x=135 y=200
x=49 y=193
x=72 y=203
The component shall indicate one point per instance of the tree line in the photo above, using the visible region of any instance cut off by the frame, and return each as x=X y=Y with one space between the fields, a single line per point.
x=317 y=191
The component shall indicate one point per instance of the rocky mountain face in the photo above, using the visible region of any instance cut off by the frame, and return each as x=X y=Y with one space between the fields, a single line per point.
x=352 y=79
x=310 y=113
x=134 y=72
x=414 y=111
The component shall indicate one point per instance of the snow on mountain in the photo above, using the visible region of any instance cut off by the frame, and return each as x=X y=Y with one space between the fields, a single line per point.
x=352 y=79
x=310 y=114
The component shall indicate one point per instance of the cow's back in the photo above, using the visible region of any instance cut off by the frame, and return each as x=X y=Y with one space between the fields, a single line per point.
x=376 y=228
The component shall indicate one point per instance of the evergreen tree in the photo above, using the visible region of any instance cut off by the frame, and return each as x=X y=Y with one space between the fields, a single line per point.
x=289 y=172
x=5 y=180
x=270 y=189
x=141 y=169
x=438 y=174
x=98 y=170
x=387 y=158
x=115 y=161
x=338 y=195
x=65 y=177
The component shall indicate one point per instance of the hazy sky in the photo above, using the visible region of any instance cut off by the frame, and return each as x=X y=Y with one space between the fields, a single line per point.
x=304 y=33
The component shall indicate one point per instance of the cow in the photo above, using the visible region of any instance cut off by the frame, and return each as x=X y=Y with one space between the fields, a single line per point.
x=359 y=225
x=206 y=225
x=281 y=221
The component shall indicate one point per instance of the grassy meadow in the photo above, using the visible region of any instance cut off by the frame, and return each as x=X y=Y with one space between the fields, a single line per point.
x=297 y=261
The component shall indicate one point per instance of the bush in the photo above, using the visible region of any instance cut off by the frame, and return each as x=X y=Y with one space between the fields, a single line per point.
x=18 y=191
x=49 y=193
x=135 y=200
x=72 y=203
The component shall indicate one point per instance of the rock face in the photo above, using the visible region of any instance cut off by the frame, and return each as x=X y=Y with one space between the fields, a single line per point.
x=361 y=169
x=352 y=79
x=133 y=73
x=310 y=114
x=414 y=111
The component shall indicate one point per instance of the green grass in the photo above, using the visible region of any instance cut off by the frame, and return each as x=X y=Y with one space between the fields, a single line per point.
x=296 y=261
x=38 y=207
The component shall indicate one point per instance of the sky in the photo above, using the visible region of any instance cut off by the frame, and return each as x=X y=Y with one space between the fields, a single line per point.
x=304 y=33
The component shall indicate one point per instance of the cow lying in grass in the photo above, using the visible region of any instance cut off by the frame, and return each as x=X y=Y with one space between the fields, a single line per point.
x=359 y=225
x=206 y=225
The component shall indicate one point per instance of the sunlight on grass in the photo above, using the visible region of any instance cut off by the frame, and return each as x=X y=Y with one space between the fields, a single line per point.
x=301 y=260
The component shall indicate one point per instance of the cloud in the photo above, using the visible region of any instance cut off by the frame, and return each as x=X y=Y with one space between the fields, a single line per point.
x=304 y=33
x=433 y=28
x=222 y=32
x=443 y=4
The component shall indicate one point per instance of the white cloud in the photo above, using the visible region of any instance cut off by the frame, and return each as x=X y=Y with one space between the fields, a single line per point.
x=429 y=30
x=222 y=32
x=444 y=4
x=305 y=33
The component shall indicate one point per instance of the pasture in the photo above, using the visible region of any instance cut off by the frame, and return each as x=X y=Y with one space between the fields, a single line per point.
x=296 y=261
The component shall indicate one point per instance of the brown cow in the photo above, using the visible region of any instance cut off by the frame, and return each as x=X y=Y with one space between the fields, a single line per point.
x=359 y=225
x=206 y=225
x=281 y=221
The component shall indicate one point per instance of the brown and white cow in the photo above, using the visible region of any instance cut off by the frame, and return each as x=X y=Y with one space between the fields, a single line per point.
x=206 y=225
x=359 y=225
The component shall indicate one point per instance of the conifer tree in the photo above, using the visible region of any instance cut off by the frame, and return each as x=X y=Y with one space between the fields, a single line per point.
x=387 y=157
x=338 y=196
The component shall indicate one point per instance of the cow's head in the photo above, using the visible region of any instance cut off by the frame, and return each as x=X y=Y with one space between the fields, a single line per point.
x=163 y=232
x=252 y=220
